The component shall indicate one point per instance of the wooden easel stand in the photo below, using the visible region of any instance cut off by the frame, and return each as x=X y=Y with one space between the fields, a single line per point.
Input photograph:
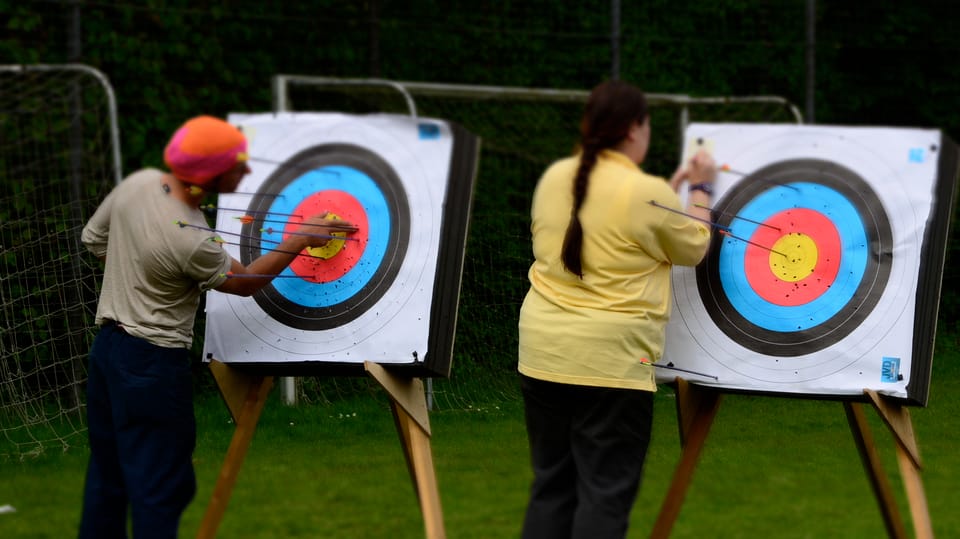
x=697 y=407
x=246 y=396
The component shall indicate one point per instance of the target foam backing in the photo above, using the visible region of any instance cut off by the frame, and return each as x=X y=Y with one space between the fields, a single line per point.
x=387 y=293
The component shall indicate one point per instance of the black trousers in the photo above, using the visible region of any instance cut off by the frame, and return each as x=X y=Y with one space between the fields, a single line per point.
x=587 y=449
x=142 y=434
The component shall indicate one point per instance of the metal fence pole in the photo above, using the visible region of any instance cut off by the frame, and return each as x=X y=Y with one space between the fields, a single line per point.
x=684 y=105
x=811 y=59
x=615 y=39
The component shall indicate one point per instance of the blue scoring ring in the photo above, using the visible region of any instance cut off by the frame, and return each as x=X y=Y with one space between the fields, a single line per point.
x=368 y=193
x=867 y=249
x=371 y=181
x=853 y=264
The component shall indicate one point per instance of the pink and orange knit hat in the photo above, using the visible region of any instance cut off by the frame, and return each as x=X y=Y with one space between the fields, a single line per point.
x=203 y=148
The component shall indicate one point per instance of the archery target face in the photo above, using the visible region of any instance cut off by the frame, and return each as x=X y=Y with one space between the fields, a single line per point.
x=810 y=284
x=343 y=279
x=365 y=297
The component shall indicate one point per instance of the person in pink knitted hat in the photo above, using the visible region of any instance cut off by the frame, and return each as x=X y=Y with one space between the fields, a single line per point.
x=203 y=150
x=139 y=391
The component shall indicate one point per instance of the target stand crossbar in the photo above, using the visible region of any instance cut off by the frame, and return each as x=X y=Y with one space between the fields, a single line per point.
x=697 y=407
x=245 y=396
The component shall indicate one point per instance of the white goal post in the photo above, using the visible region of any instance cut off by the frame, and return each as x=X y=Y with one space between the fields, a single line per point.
x=522 y=129
x=59 y=155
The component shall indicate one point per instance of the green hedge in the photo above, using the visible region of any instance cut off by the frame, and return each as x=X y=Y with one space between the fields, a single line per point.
x=171 y=60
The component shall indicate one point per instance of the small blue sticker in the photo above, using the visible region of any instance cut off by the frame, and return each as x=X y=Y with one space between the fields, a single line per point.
x=890 y=370
x=916 y=155
x=428 y=131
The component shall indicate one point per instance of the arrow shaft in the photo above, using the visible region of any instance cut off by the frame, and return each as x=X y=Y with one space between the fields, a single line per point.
x=311 y=235
x=723 y=229
x=755 y=244
x=671 y=367
x=735 y=216
x=694 y=217
x=211 y=207
x=247 y=236
x=247 y=219
x=271 y=250
x=260 y=276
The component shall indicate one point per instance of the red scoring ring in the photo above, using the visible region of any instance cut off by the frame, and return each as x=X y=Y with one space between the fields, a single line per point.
x=757 y=259
x=347 y=208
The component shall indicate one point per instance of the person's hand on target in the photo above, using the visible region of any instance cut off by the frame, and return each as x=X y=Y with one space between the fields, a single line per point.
x=321 y=228
x=699 y=170
x=703 y=169
x=313 y=234
x=700 y=173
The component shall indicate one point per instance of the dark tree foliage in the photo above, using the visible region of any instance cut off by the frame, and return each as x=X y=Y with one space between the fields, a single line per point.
x=890 y=63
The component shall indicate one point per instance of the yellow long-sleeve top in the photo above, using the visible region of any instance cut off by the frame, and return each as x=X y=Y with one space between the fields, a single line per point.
x=595 y=331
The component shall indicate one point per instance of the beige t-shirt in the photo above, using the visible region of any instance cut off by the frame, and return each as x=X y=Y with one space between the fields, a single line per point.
x=155 y=269
x=595 y=331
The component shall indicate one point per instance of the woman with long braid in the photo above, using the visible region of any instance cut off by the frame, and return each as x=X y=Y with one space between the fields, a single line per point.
x=596 y=311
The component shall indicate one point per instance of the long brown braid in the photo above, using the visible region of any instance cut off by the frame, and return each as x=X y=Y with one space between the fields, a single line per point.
x=611 y=110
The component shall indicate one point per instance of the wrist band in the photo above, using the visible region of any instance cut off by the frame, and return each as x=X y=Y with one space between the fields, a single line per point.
x=705 y=187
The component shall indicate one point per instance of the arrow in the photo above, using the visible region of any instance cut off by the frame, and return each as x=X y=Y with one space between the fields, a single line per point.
x=323 y=236
x=737 y=217
x=711 y=223
x=726 y=168
x=275 y=195
x=755 y=244
x=271 y=231
x=231 y=275
x=724 y=230
x=213 y=208
x=286 y=164
x=670 y=366
x=249 y=219
x=221 y=240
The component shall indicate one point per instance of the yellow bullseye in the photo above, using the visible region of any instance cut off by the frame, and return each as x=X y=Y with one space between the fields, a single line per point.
x=795 y=257
x=332 y=247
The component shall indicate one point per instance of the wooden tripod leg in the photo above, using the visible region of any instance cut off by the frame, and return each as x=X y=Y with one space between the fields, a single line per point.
x=897 y=419
x=872 y=465
x=245 y=396
x=696 y=409
x=409 y=405
x=910 y=473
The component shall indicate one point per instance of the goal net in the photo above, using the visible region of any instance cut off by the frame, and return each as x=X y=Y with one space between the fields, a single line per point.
x=522 y=131
x=58 y=157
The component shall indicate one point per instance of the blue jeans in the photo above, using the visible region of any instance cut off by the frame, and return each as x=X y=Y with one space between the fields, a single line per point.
x=142 y=434
x=587 y=448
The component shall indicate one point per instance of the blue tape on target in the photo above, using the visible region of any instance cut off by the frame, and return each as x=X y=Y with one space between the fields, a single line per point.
x=428 y=131
x=890 y=370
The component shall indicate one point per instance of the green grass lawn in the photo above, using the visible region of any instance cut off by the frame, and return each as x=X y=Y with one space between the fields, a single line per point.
x=772 y=467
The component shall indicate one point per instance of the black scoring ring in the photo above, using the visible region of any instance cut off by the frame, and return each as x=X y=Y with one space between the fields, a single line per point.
x=869 y=288
x=291 y=313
